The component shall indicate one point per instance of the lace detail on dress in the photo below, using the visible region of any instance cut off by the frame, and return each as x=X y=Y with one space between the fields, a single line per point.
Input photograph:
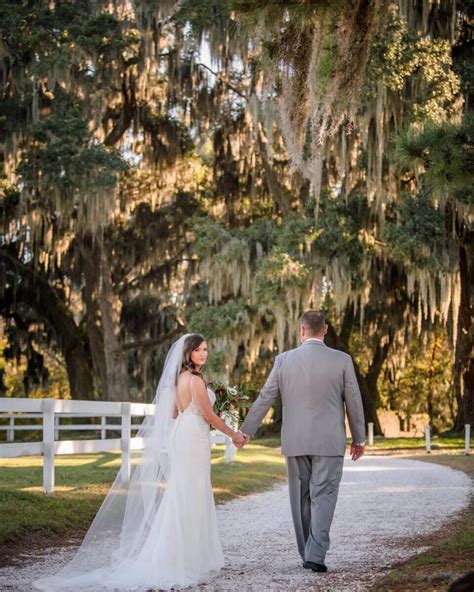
x=193 y=408
x=193 y=411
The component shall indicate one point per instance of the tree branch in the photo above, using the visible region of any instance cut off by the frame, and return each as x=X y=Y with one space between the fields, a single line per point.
x=149 y=343
x=221 y=79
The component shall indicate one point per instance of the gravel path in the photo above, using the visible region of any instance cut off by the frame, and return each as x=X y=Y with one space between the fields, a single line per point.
x=383 y=503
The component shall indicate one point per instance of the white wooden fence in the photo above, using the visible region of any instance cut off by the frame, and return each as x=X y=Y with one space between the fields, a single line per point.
x=467 y=437
x=51 y=411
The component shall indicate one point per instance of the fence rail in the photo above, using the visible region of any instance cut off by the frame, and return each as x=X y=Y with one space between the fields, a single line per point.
x=51 y=411
x=467 y=437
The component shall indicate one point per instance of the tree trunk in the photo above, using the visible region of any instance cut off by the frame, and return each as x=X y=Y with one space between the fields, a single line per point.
x=368 y=392
x=90 y=267
x=463 y=378
x=429 y=394
x=103 y=323
x=110 y=308
x=380 y=355
x=369 y=401
x=47 y=303
x=464 y=351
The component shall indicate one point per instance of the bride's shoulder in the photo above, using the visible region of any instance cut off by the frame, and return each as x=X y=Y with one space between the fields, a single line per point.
x=196 y=380
x=185 y=377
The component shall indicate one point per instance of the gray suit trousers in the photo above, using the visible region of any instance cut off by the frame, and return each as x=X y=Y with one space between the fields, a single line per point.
x=313 y=482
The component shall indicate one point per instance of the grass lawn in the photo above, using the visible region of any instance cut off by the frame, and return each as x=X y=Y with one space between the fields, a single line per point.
x=28 y=517
x=451 y=549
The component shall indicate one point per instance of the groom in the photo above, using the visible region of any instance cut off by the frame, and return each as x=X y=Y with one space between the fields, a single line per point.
x=316 y=385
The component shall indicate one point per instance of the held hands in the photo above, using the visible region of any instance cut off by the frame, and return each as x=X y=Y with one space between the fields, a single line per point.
x=357 y=451
x=240 y=440
x=247 y=439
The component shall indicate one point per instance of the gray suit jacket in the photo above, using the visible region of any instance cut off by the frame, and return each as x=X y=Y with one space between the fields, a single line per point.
x=316 y=384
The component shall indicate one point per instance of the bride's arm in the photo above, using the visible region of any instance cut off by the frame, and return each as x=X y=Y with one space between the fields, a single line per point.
x=201 y=397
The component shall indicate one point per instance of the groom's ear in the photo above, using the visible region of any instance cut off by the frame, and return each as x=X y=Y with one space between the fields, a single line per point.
x=326 y=327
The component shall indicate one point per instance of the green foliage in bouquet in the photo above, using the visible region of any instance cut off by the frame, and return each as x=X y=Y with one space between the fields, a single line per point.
x=229 y=400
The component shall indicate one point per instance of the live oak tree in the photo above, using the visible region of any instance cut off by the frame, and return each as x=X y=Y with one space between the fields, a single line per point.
x=219 y=167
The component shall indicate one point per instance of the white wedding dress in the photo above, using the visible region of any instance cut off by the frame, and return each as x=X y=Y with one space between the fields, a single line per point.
x=159 y=530
x=183 y=546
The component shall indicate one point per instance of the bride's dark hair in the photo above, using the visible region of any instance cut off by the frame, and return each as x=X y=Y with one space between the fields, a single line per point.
x=191 y=343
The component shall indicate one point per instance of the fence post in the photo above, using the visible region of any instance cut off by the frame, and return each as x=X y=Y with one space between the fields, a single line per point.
x=370 y=440
x=11 y=430
x=56 y=430
x=467 y=445
x=48 y=445
x=103 y=431
x=428 y=438
x=229 y=445
x=125 y=441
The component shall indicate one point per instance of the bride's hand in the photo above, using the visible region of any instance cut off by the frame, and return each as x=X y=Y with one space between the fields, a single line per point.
x=239 y=439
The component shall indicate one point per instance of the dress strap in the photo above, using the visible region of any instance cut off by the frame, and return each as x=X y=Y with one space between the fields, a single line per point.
x=191 y=388
x=193 y=406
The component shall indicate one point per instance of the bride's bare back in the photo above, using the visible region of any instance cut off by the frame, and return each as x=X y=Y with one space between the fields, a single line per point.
x=192 y=389
x=184 y=395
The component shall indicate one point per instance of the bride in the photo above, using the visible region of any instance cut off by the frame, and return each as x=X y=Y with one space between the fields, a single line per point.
x=157 y=528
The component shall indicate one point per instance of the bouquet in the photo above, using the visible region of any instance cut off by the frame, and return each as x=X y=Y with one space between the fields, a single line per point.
x=229 y=399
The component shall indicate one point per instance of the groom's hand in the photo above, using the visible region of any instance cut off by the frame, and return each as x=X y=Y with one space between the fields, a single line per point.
x=239 y=440
x=357 y=451
x=247 y=439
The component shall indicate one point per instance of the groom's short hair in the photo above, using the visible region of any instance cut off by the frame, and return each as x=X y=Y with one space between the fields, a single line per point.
x=313 y=321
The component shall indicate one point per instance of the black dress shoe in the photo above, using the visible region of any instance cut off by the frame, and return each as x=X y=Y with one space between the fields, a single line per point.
x=319 y=567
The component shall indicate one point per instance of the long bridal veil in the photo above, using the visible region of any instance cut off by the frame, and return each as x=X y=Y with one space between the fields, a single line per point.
x=123 y=521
